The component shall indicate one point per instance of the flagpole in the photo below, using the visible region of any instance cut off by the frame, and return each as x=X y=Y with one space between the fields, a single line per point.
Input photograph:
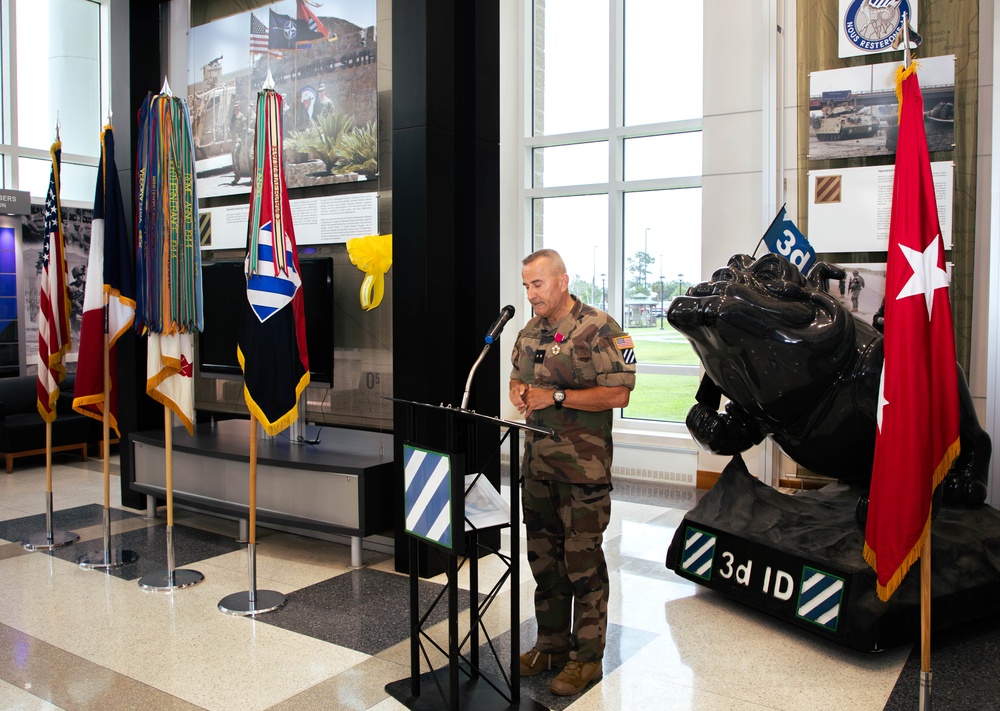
x=50 y=539
x=169 y=579
x=253 y=602
x=56 y=331
x=109 y=559
x=925 y=552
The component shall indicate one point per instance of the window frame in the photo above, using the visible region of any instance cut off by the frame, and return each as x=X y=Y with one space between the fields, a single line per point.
x=615 y=187
x=10 y=150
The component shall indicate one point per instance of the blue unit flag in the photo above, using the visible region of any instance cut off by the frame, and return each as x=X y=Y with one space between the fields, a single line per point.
x=784 y=238
x=819 y=598
x=699 y=553
x=427 y=496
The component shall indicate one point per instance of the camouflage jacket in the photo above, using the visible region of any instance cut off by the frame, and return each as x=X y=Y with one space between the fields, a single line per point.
x=585 y=349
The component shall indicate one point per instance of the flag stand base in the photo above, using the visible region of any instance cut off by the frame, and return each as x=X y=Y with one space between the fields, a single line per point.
x=50 y=539
x=253 y=601
x=170 y=579
x=108 y=558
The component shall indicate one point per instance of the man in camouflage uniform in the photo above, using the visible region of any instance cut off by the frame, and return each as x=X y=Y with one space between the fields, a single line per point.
x=572 y=366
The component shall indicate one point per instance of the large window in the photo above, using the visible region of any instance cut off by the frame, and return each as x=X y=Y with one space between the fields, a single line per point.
x=614 y=155
x=51 y=66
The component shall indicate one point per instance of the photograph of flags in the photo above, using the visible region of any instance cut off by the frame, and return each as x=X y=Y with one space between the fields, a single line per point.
x=168 y=254
x=272 y=343
x=310 y=27
x=283 y=31
x=918 y=421
x=259 y=36
x=53 y=298
x=110 y=271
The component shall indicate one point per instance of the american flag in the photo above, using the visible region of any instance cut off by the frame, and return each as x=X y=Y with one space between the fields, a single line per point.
x=53 y=297
x=258 y=36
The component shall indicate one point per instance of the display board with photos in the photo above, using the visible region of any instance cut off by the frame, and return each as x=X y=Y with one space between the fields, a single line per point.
x=323 y=63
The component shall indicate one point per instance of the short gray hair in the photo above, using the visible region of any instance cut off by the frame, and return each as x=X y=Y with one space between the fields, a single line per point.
x=557 y=261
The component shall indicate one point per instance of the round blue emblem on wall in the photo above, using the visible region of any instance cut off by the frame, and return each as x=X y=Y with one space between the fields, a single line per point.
x=871 y=25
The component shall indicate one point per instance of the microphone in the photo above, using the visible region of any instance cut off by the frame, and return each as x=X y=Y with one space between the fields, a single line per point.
x=506 y=314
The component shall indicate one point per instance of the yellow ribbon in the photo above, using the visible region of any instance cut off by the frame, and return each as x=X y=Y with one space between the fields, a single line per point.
x=372 y=255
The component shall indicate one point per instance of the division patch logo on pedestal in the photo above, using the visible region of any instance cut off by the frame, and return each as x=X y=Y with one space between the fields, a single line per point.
x=699 y=553
x=819 y=598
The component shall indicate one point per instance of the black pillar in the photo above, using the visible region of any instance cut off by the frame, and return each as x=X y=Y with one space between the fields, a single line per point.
x=446 y=218
x=147 y=37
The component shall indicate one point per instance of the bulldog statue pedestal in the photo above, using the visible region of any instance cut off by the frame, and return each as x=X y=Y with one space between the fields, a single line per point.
x=799 y=557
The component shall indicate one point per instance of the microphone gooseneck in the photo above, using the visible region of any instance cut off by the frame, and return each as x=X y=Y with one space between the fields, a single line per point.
x=506 y=314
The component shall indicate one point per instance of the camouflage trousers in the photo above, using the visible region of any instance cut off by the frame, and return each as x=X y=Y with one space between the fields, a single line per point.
x=565 y=526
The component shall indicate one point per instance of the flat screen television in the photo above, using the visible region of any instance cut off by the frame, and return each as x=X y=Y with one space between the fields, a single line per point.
x=223 y=285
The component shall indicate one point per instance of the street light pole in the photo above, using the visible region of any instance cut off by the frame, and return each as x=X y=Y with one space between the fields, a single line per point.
x=645 y=251
x=661 y=300
x=604 y=295
x=680 y=284
x=593 y=278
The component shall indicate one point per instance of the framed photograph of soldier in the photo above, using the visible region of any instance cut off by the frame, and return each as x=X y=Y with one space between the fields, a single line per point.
x=853 y=111
x=76 y=235
x=861 y=290
x=321 y=57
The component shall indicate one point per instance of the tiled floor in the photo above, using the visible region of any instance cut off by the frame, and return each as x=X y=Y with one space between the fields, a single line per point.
x=74 y=638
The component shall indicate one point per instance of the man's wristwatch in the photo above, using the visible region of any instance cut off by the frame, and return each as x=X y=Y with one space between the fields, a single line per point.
x=558 y=397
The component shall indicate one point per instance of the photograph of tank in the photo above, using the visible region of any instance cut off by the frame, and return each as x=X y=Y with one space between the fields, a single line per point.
x=321 y=57
x=853 y=111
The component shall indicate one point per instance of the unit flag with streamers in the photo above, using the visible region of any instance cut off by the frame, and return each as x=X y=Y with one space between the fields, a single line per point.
x=168 y=256
x=272 y=341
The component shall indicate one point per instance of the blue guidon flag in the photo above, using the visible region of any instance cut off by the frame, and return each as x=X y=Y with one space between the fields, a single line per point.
x=820 y=595
x=784 y=238
x=427 y=494
x=699 y=553
x=272 y=343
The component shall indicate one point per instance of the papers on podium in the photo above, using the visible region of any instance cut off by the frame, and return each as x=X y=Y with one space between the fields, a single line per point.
x=484 y=507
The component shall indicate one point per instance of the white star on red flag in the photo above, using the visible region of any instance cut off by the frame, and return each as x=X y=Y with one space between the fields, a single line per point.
x=927 y=277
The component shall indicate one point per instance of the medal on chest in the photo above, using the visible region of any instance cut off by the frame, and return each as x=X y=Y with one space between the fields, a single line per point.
x=559 y=339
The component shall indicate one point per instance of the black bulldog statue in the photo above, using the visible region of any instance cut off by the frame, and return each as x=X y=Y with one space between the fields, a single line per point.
x=797 y=367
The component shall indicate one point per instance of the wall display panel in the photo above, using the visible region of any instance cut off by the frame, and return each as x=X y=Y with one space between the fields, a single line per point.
x=330 y=219
x=849 y=208
x=853 y=112
x=324 y=66
x=948 y=28
x=76 y=233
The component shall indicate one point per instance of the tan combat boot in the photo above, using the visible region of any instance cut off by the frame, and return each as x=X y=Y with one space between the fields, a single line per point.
x=575 y=676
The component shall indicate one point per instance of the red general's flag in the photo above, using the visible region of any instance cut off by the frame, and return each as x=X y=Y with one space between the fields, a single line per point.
x=109 y=272
x=272 y=342
x=53 y=299
x=918 y=421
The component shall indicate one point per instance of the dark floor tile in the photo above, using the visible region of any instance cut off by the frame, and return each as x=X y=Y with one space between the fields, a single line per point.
x=150 y=543
x=965 y=668
x=18 y=529
x=623 y=642
x=364 y=610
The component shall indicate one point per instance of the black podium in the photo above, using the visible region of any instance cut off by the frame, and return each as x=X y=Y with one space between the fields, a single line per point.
x=437 y=483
